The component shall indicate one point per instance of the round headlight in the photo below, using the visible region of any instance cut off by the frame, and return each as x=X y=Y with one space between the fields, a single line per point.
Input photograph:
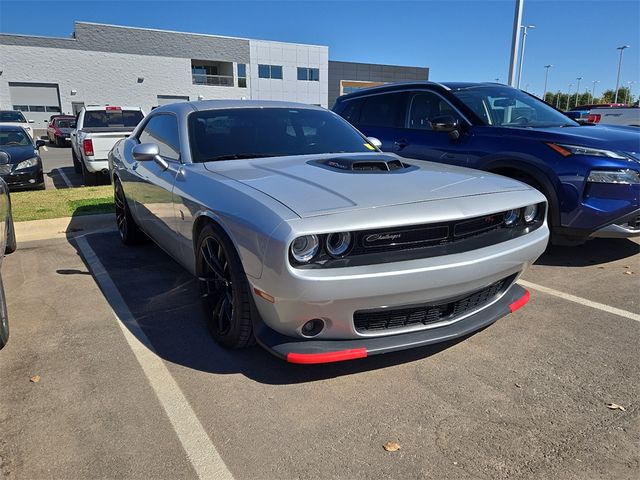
x=304 y=248
x=511 y=218
x=338 y=243
x=530 y=213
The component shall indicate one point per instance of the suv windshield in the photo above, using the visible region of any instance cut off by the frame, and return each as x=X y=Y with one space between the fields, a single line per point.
x=112 y=118
x=270 y=132
x=14 y=138
x=508 y=107
x=13 y=117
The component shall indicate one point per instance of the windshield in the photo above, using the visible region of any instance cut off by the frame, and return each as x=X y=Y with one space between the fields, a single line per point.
x=14 y=138
x=508 y=107
x=270 y=132
x=13 y=117
x=112 y=118
x=65 y=123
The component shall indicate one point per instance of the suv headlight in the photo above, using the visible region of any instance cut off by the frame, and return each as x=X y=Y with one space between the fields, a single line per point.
x=567 y=150
x=29 y=162
x=627 y=177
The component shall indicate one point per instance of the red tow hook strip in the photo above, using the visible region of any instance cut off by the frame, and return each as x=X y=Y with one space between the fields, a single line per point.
x=521 y=302
x=339 y=356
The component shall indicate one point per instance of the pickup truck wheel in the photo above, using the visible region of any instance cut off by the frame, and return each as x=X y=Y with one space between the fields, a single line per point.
x=77 y=167
x=90 y=179
x=225 y=290
x=130 y=233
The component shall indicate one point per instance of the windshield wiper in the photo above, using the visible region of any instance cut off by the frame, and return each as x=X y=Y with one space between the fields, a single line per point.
x=236 y=156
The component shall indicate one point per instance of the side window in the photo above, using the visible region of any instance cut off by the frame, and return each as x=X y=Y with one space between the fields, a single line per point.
x=163 y=131
x=424 y=107
x=386 y=110
x=351 y=111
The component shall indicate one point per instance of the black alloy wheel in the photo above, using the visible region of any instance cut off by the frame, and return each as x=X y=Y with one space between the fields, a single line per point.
x=224 y=289
x=130 y=233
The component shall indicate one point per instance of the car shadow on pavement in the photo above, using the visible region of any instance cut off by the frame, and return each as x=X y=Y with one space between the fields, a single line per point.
x=164 y=300
x=594 y=252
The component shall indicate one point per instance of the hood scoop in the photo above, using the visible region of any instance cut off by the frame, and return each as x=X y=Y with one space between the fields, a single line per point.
x=377 y=164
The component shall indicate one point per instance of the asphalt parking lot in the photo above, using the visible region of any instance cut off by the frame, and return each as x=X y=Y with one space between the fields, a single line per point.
x=58 y=167
x=131 y=385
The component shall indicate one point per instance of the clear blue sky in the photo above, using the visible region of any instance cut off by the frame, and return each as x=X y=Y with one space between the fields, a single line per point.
x=457 y=40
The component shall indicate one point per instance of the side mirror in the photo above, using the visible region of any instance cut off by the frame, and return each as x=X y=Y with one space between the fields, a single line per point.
x=145 y=152
x=40 y=143
x=32 y=121
x=375 y=142
x=444 y=123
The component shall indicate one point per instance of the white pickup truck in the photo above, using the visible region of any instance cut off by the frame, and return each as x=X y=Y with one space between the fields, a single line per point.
x=98 y=128
x=615 y=116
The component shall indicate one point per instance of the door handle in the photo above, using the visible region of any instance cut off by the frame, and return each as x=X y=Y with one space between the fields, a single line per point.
x=401 y=143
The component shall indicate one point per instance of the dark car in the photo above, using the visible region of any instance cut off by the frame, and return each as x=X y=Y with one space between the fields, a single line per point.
x=59 y=130
x=20 y=162
x=590 y=174
x=7 y=245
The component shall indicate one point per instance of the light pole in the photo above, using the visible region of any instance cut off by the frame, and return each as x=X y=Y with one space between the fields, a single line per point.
x=515 y=42
x=546 y=76
x=578 y=90
x=497 y=79
x=569 y=96
x=619 y=67
x=593 y=90
x=558 y=99
x=629 y=96
x=525 y=29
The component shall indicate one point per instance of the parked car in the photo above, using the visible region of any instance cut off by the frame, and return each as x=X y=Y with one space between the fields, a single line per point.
x=59 y=130
x=97 y=130
x=7 y=245
x=615 y=116
x=20 y=162
x=307 y=238
x=590 y=175
x=580 y=113
x=16 y=118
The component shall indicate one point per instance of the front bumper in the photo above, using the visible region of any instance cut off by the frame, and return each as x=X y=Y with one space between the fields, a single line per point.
x=295 y=350
x=27 y=178
x=625 y=227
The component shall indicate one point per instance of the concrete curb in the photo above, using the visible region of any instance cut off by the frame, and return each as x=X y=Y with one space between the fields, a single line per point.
x=65 y=227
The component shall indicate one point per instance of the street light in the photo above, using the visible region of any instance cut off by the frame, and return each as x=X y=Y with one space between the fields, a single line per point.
x=569 y=95
x=558 y=99
x=525 y=29
x=629 y=96
x=578 y=90
x=619 y=67
x=546 y=76
x=593 y=90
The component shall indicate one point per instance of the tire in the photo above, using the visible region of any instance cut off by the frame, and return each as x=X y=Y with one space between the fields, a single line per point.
x=4 y=320
x=225 y=291
x=89 y=179
x=11 y=245
x=130 y=233
x=59 y=142
x=77 y=167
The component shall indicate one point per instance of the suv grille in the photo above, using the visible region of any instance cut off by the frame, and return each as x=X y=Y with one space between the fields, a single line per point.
x=388 y=319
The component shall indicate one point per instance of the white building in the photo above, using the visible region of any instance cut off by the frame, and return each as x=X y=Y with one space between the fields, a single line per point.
x=106 y=64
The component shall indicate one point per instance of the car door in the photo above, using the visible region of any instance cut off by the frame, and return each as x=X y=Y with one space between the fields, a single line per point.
x=153 y=191
x=418 y=139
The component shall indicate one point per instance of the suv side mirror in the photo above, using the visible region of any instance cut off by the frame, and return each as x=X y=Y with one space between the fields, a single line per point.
x=446 y=123
x=40 y=143
x=31 y=121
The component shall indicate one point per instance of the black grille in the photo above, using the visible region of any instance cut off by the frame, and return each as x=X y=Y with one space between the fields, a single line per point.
x=388 y=319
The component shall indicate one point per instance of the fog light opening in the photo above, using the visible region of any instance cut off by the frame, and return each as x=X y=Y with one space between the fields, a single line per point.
x=312 y=327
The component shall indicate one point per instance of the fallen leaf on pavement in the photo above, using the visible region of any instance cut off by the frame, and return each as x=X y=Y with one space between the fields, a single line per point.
x=391 y=446
x=35 y=379
x=615 y=406
x=518 y=385
x=628 y=272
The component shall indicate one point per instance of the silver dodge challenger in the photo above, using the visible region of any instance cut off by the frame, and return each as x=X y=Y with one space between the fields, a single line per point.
x=306 y=238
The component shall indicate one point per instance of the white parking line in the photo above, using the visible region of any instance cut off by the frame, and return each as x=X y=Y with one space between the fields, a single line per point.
x=44 y=147
x=194 y=439
x=65 y=178
x=582 y=301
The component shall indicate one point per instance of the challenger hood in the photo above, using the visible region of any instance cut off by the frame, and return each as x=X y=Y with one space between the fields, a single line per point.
x=314 y=185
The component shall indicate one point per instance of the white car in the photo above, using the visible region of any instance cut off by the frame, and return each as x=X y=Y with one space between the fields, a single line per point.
x=98 y=129
x=615 y=116
x=16 y=118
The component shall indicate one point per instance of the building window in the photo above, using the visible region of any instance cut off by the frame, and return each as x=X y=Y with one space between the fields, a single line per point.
x=270 y=71
x=242 y=75
x=21 y=108
x=214 y=73
x=309 y=74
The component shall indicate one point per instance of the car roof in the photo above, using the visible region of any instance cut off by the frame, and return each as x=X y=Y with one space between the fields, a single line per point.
x=390 y=87
x=93 y=108
x=203 y=105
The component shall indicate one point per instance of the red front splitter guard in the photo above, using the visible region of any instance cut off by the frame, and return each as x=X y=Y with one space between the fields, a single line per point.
x=521 y=302
x=328 y=357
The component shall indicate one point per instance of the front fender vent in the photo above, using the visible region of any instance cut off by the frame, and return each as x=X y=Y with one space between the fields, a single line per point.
x=377 y=164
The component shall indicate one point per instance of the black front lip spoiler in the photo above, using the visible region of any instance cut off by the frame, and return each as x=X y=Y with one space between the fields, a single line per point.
x=296 y=350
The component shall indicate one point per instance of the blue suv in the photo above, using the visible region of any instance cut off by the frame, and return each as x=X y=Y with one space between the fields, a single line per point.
x=590 y=174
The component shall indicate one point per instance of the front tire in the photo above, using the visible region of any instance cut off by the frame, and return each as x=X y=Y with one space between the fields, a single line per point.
x=130 y=233
x=225 y=291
